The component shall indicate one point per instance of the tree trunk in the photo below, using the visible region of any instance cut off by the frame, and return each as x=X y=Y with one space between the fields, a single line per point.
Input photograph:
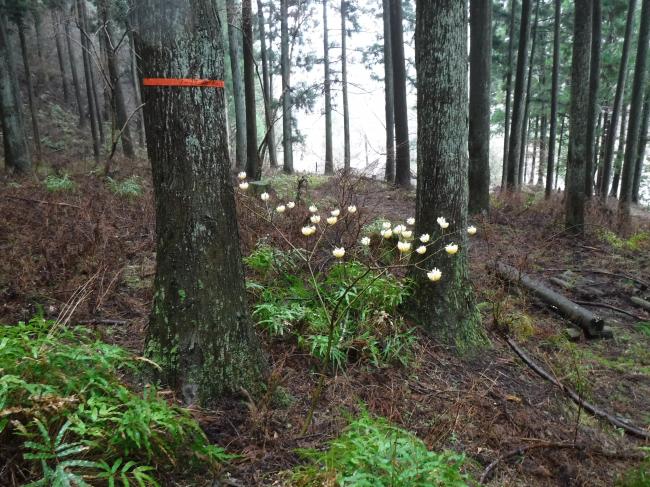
x=92 y=107
x=511 y=48
x=620 y=155
x=75 y=76
x=634 y=124
x=118 y=103
x=559 y=152
x=601 y=156
x=13 y=130
x=543 y=149
x=480 y=16
x=518 y=107
x=527 y=97
x=268 y=96
x=389 y=95
x=555 y=88
x=618 y=99
x=536 y=141
x=329 y=151
x=234 y=43
x=597 y=138
x=135 y=79
x=594 y=86
x=199 y=331
x=643 y=142
x=31 y=98
x=447 y=308
x=402 y=152
x=56 y=26
x=253 y=165
x=287 y=138
x=576 y=163
x=344 y=87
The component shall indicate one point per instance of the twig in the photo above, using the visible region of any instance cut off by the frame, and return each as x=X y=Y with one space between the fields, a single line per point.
x=590 y=408
x=609 y=306
x=96 y=321
x=42 y=202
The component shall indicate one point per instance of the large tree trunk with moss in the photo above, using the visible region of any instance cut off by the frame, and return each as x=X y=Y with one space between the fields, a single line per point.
x=594 y=86
x=199 y=331
x=389 y=96
x=266 y=83
x=480 y=57
x=555 y=88
x=446 y=308
x=344 y=86
x=253 y=165
x=13 y=130
x=402 y=152
x=327 y=85
x=518 y=106
x=287 y=137
x=576 y=162
x=634 y=124
x=234 y=45
x=506 y=131
x=618 y=100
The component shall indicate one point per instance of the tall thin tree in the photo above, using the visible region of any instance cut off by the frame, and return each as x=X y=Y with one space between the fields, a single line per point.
x=287 y=137
x=327 y=85
x=594 y=86
x=253 y=166
x=269 y=136
x=344 y=86
x=234 y=49
x=643 y=142
x=389 y=95
x=555 y=89
x=402 y=152
x=506 y=130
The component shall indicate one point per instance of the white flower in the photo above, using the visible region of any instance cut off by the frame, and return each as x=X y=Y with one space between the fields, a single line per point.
x=387 y=233
x=338 y=252
x=425 y=237
x=243 y=186
x=313 y=209
x=407 y=234
x=471 y=230
x=386 y=225
x=336 y=212
x=434 y=274
x=315 y=219
x=397 y=229
x=332 y=220
x=307 y=231
x=421 y=249
x=265 y=196
x=365 y=241
x=291 y=205
x=451 y=249
x=403 y=247
x=281 y=208
x=352 y=209
x=410 y=221
x=241 y=175
x=442 y=222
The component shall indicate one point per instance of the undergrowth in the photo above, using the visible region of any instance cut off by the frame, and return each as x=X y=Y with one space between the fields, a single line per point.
x=54 y=183
x=291 y=302
x=129 y=187
x=372 y=453
x=67 y=417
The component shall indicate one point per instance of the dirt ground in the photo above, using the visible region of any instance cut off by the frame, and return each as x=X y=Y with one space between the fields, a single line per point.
x=55 y=244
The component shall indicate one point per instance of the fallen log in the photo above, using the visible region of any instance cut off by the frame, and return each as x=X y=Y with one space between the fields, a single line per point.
x=641 y=303
x=575 y=397
x=609 y=306
x=592 y=324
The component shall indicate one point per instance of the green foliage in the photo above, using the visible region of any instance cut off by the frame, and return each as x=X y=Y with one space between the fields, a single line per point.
x=371 y=452
x=54 y=183
x=644 y=327
x=64 y=407
x=362 y=304
x=638 y=477
x=635 y=243
x=286 y=185
x=129 y=188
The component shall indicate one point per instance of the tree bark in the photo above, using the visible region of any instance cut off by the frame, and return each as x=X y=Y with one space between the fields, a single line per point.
x=389 y=95
x=266 y=85
x=287 y=137
x=535 y=143
x=620 y=154
x=92 y=107
x=559 y=152
x=506 y=137
x=446 y=308
x=601 y=157
x=634 y=124
x=327 y=85
x=402 y=152
x=199 y=331
x=234 y=45
x=643 y=142
x=480 y=16
x=253 y=165
x=555 y=88
x=75 y=76
x=119 y=115
x=344 y=87
x=56 y=26
x=618 y=99
x=594 y=86
x=543 y=148
x=31 y=98
x=13 y=130
x=576 y=162
x=517 y=124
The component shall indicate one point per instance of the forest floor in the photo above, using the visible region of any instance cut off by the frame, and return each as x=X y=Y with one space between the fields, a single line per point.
x=53 y=243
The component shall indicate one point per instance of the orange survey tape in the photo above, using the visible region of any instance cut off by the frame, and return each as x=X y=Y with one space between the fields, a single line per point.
x=207 y=83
